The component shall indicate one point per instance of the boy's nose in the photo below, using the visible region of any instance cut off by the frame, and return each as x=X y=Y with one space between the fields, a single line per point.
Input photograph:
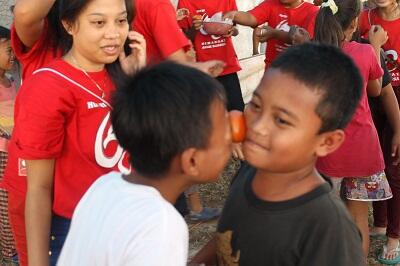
x=261 y=127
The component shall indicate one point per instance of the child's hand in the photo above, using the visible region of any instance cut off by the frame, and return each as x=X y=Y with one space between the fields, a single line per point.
x=377 y=36
x=137 y=59
x=232 y=32
x=229 y=15
x=237 y=151
x=265 y=33
x=298 y=35
x=212 y=67
x=182 y=13
x=396 y=148
x=197 y=21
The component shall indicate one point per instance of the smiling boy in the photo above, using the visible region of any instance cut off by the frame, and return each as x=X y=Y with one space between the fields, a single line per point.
x=280 y=211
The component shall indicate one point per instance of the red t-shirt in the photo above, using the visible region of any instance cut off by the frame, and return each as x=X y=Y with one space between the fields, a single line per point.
x=280 y=17
x=156 y=21
x=209 y=47
x=56 y=119
x=360 y=155
x=392 y=46
x=42 y=52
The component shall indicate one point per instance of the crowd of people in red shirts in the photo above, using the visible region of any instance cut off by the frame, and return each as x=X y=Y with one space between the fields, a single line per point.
x=76 y=54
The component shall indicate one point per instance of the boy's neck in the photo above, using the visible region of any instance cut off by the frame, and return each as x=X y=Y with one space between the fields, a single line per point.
x=170 y=187
x=391 y=12
x=285 y=186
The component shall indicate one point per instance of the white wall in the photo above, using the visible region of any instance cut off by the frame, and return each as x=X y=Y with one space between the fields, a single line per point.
x=5 y=14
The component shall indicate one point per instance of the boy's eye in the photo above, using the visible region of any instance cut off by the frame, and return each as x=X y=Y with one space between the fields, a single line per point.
x=281 y=121
x=254 y=105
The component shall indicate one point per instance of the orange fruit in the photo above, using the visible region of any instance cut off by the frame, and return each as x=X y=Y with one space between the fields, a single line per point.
x=238 y=125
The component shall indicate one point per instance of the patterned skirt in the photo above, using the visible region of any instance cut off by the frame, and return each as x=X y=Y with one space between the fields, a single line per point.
x=7 y=245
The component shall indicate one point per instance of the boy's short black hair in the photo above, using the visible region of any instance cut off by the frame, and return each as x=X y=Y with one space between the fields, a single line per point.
x=328 y=71
x=161 y=111
x=4 y=33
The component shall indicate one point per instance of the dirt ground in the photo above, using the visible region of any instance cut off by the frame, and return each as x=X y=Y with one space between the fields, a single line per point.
x=214 y=195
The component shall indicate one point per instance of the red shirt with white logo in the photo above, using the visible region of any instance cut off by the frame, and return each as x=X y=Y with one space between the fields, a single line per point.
x=60 y=115
x=280 y=17
x=156 y=21
x=392 y=46
x=41 y=53
x=209 y=47
x=360 y=155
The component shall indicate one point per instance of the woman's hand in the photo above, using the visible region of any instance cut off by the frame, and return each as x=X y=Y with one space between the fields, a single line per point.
x=137 y=59
x=377 y=36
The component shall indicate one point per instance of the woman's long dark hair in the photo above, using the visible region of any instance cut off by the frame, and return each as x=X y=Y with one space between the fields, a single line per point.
x=329 y=27
x=69 y=10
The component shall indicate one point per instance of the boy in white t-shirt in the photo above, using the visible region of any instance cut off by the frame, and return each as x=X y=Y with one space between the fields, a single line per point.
x=171 y=119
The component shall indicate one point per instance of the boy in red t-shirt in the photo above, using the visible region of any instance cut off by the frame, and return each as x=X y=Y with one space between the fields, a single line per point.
x=284 y=18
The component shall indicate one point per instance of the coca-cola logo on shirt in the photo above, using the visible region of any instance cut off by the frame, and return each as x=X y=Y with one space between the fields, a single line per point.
x=392 y=64
x=106 y=142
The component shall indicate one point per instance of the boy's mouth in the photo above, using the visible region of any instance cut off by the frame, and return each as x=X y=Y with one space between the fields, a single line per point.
x=254 y=145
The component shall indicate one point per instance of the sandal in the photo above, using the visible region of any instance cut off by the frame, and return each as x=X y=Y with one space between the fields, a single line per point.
x=384 y=253
x=206 y=214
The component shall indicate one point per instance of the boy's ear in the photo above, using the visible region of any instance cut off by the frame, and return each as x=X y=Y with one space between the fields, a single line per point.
x=189 y=162
x=330 y=141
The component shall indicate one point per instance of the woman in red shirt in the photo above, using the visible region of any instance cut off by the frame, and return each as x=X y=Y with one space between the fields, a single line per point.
x=67 y=141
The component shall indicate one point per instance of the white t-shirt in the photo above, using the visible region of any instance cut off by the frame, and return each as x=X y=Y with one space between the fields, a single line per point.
x=120 y=223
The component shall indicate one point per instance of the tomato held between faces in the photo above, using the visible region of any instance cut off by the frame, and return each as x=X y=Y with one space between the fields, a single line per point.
x=238 y=125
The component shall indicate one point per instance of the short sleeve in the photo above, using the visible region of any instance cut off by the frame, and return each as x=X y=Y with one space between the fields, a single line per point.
x=19 y=48
x=44 y=107
x=166 y=31
x=42 y=52
x=262 y=12
x=375 y=70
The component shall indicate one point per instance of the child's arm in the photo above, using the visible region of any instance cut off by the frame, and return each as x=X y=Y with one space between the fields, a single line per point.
x=197 y=22
x=207 y=255
x=38 y=208
x=256 y=40
x=242 y=18
x=377 y=37
x=392 y=112
x=29 y=18
x=296 y=35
